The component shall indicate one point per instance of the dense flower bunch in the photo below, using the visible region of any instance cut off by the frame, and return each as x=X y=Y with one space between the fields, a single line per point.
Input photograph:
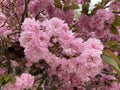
x=57 y=32
x=44 y=45
x=97 y=25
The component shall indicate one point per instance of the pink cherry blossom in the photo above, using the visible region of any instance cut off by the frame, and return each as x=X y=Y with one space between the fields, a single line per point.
x=30 y=25
x=25 y=81
x=94 y=43
x=115 y=6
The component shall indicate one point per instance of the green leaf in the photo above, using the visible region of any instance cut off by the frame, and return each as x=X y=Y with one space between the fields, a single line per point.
x=97 y=6
x=58 y=4
x=104 y=2
x=117 y=20
x=111 y=62
x=1 y=80
x=114 y=30
x=12 y=79
x=112 y=55
x=54 y=88
x=85 y=8
x=7 y=77
x=74 y=6
x=119 y=56
x=71 y=7
x=112 y=43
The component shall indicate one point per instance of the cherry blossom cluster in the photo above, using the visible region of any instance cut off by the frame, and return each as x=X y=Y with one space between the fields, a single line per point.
x=74 y=55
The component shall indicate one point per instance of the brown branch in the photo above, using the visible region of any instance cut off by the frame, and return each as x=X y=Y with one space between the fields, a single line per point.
x=25 y=13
